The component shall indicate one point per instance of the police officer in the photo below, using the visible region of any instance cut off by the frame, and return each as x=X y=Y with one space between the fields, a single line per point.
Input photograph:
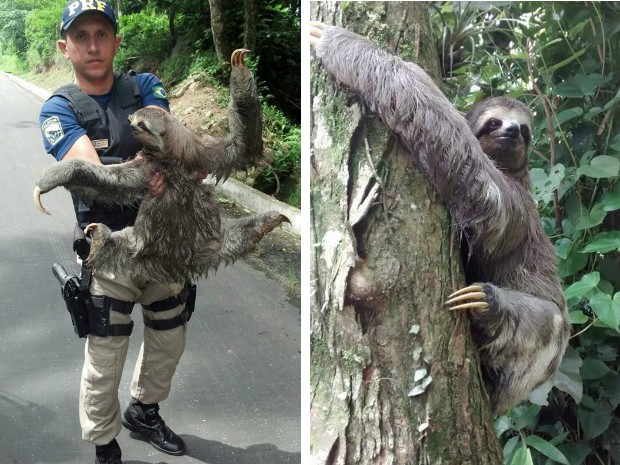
x=87 y=119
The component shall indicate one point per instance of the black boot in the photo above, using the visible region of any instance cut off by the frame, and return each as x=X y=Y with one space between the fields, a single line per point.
x=108 y=453
x=145 y=419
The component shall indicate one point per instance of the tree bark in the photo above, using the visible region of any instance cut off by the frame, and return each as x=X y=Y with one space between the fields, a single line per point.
x=394 y=375
x=249 y=27
x=221 y=41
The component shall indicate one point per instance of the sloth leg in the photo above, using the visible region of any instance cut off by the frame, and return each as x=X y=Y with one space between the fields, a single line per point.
x=111 y=252
x=240 y=236
x=521 y=339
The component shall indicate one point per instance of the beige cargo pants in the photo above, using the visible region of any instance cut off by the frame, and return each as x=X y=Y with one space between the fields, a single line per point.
x=104 y=357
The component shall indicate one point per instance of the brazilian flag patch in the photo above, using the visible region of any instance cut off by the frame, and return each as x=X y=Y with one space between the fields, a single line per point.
x=160 y=92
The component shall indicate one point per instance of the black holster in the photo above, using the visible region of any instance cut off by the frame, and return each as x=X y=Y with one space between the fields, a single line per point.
x=90 y=314
x=81 y=243
x=190 y=303
x=75 y=299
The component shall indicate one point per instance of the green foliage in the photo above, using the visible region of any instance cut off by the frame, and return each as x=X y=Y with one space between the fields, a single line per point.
x=560 y=58
x=175 y=68
x=42 y=31
x=281 y=178
x=12 y=28
x=146 y=41
x=279 y=46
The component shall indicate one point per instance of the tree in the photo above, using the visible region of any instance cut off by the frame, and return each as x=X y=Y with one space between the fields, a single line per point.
x=221 y=40
x=394 y=375
x=249 y=27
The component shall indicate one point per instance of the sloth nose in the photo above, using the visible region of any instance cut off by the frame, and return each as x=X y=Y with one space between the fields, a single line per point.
x=512 y=130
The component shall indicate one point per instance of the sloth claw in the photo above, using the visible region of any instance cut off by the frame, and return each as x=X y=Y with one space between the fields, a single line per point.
x=36 y=197
x=237 y=57
x=89 y=230
x=478 y=306
x=473 y=294
x=266 y=224
x=472 y=288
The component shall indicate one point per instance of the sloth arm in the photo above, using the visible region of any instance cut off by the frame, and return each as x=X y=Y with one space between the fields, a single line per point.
x=482 y=201
x=114 y=184
x=244 y=144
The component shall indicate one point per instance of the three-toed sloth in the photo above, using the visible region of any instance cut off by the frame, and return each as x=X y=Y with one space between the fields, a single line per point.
x=177 y=236
x=478 y=165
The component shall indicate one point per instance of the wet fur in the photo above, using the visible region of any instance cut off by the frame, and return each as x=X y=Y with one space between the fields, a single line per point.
x=177 y=235
x=523 y=336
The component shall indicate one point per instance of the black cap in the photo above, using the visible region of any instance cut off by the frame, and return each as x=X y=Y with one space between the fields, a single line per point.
x=76 y=7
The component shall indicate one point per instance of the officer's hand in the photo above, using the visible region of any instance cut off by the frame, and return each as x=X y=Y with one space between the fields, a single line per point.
x=157 y=184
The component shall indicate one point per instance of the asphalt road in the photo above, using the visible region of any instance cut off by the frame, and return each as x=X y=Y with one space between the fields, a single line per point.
x=236 y=395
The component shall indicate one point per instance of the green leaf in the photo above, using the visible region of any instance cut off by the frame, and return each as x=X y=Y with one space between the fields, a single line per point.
x=523 y=456
x=607 y=309
x=577 y=317
x=544 y=185
x=610 y=315
x=611 y=384
x=603 y=242
x=592 y=112
x=565 y=62
x=563 y=247
x=593 y=369
x=580 y=85
x=576 y=453
x=539 y=395
x=611 y=200
x=586 y=283
x=593 y=218
x=613 y=101
x=568 y=378
x=510 y=449
x=502 y=424
x=575 y=262
x=566 y=115
x=574 y=207
x=615 y=143
x=602 y=166
x=546 y=449
x=593 y=424
x=525 y=415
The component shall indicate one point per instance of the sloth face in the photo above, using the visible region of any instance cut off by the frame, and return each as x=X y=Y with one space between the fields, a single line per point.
x=148 y=127
x=504 y=134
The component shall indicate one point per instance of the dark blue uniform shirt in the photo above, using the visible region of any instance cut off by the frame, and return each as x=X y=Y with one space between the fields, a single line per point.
x=59 y=124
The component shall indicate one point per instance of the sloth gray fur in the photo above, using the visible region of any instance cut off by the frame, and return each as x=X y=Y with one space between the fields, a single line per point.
x=478 y=165
x=178 y=235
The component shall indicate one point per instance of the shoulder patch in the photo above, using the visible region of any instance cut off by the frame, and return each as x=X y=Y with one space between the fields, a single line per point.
x=52 y=129
x=159 y=92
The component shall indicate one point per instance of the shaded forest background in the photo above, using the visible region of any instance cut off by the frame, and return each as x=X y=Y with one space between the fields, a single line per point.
x=561 y=58
x=181 y=38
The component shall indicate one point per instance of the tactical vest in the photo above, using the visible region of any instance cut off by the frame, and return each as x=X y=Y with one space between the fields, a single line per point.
x=111 y=135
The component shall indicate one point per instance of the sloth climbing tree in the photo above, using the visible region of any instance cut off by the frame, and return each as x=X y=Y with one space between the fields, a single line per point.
x=394 y=375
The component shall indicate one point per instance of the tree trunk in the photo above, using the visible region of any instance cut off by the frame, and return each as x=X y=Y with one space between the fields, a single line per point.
x=394 y=375
x=249 y=27
x=221 y=40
